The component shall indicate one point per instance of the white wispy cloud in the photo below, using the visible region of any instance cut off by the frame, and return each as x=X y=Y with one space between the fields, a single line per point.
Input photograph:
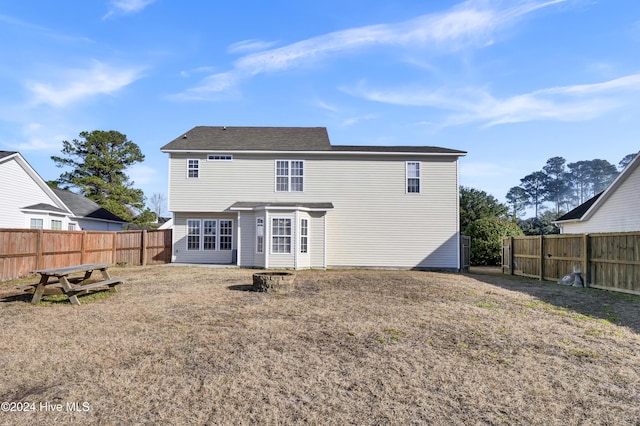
x=126 y=6
x=471 y=23
x=250 y=46
x=477 y=105
x=75 y=85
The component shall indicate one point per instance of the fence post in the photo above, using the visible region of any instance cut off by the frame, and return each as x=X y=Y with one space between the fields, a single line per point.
x=541 y=258
x=586 y=253
x=143 y=254
x=511 y=256
x=39 y=249
x=82 y=246
x=114 y=250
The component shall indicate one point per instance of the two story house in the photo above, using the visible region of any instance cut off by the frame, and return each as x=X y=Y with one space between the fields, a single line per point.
x=284 y=197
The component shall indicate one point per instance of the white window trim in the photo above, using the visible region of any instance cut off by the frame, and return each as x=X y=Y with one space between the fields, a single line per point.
x=197 y=161
x=407 y=177
x=258 y=235
x=290 y=236
x=220 y=235
x=215 y=235
x=289 y=174
x=304 y=236
x=187 y=234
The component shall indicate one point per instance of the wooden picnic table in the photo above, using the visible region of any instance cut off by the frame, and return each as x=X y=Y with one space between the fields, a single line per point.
x=72 y=286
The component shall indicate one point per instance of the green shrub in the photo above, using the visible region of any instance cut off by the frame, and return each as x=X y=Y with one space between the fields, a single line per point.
x=486 y=239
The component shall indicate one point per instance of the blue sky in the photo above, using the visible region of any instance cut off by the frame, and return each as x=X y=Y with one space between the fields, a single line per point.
x=511 y=82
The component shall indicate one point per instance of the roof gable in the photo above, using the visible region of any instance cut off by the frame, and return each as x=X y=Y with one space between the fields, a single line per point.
x=6 y=156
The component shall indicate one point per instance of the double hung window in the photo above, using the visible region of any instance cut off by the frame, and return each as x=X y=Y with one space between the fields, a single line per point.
x=193 y=168
x=289 y=176
x=304 y=235
x=259 y=235
x=210 y=234
x=226 y=234
x=193 y=234
x=280 y=235
x=413 y=177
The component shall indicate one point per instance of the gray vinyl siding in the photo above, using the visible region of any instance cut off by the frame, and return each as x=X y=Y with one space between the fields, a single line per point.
x=317 y=240
x=374 y=222
x=619 y=213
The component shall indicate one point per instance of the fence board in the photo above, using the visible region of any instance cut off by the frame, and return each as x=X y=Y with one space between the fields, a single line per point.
x=608 y=261
x=25 y=250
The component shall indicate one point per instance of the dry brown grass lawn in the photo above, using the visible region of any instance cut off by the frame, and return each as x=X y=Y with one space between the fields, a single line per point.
x=190 y=345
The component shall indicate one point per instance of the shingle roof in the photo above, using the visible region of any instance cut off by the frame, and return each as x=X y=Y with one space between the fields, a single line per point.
x=44 y=207
x=579 y=211
x=221 y=138
x=6 y=153
x=84 y=207
x=252 y=139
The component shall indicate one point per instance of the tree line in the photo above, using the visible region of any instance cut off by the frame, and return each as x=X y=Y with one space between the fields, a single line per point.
x=564 y=185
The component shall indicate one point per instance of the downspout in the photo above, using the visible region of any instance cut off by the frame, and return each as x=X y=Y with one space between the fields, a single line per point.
x=238 y=240
x=267 y=239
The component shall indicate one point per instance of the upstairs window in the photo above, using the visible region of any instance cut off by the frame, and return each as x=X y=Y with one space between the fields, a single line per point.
x=216 y=157
x=289 y=176
x=413 y=177
x=193 y=168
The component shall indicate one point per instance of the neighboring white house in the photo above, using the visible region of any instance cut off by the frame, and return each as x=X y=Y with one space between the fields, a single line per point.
x=284 y=197
x=28 y=202
x=616 y=209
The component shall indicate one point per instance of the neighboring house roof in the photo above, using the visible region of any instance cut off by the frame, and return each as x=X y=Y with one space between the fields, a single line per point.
x=44 y=207
x=579 y=211
x=83 y=207
x=6 y=153
x=585 y=210
x=316 y=139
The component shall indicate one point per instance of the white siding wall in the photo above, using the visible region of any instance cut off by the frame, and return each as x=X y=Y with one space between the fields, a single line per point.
x=374 y=221
x=619 y=213
x=317 y=239
x=19 y=190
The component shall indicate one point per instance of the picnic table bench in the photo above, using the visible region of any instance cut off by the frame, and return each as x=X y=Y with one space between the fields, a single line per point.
x=73 y=286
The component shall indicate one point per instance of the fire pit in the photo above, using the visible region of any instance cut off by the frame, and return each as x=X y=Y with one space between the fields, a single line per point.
x=276 y=282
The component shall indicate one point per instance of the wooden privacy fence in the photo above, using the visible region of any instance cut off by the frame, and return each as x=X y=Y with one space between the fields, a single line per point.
x=25 y=250
x=606 y=261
